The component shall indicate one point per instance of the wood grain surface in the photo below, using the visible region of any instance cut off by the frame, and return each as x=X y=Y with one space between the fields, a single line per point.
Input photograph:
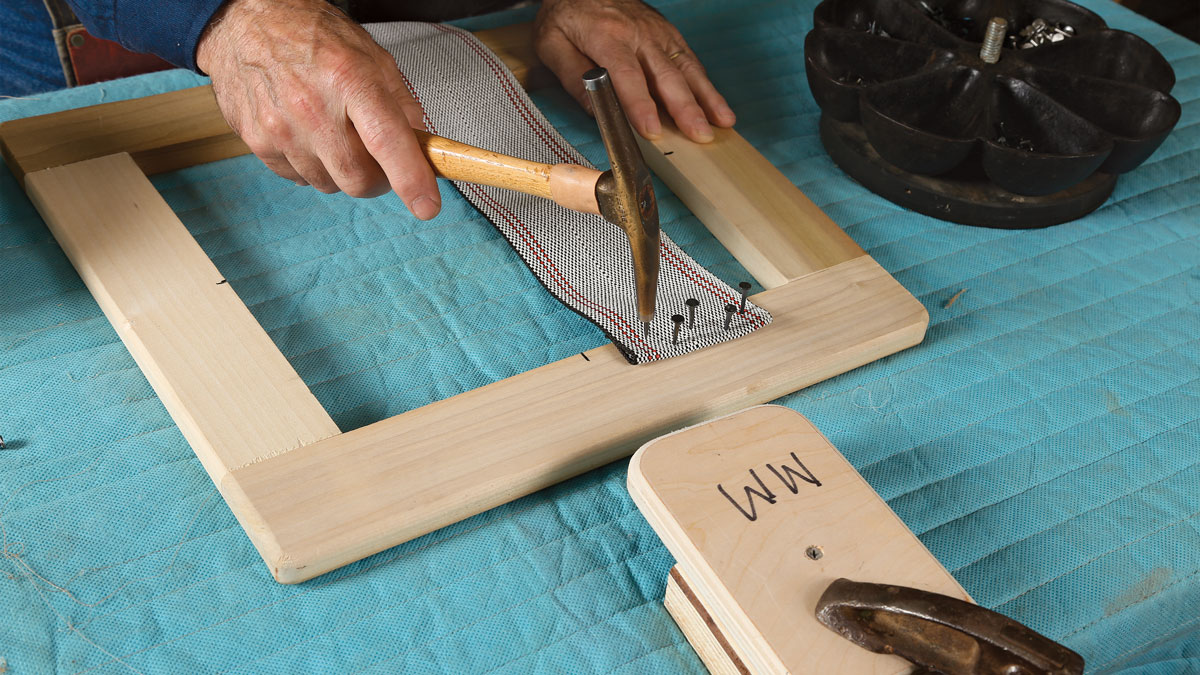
x=408 y=475
x=312 y=499
x=741 y=501
x=235 y=397
x=771 y=227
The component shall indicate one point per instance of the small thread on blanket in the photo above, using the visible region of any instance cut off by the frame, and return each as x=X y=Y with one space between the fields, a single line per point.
x=953 y=299
x=15 y=551
x=869 y=403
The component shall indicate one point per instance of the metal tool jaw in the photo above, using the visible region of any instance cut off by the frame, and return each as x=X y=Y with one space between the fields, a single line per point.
x=625 y=193
x=940 y=633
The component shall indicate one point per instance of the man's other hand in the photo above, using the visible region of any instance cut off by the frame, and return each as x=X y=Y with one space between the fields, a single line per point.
x=645 y=55
x=317 y=100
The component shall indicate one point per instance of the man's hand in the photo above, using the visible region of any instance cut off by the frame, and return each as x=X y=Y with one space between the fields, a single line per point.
x=317 y=100
x=642 y=51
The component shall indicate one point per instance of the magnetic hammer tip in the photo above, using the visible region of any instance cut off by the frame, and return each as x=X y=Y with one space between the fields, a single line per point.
x=595 y=78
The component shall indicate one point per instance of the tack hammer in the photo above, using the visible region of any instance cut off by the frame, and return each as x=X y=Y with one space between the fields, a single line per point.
x=623 y=195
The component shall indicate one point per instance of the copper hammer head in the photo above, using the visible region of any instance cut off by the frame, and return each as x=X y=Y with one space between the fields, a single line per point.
x=624 y=192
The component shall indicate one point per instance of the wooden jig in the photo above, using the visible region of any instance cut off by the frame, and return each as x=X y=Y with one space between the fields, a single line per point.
x=761 y=513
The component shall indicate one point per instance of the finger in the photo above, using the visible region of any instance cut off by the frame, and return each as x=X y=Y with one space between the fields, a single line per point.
x=676 y=95
x=567 y=63
x=714 y=104
x=271 y=156
x=312 y=171
x=349 y=164
x=630 y=84
x=397 y=82
x=387 y=135
x=283 y=169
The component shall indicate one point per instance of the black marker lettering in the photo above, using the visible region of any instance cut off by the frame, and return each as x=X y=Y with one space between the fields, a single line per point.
x=789 y=475
x=766 y=495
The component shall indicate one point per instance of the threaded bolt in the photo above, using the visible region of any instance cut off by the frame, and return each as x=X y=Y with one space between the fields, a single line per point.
x=993 y=40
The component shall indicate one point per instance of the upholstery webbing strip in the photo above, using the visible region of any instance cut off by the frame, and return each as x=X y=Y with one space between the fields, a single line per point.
x=470 y=96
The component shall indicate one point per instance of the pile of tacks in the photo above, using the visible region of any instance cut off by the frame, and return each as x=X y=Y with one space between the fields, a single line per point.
x=1036 y=34
x=1039 y=33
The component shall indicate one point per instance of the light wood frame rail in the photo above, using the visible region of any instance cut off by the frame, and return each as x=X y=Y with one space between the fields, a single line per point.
x=312 y=498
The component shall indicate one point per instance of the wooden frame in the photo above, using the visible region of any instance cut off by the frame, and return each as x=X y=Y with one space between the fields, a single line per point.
x=312 y=498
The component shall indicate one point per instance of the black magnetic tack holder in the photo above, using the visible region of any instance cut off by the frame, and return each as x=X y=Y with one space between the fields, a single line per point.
x=1028 y=129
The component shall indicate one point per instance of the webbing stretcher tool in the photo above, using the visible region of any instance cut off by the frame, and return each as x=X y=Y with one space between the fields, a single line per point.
x=939 y=633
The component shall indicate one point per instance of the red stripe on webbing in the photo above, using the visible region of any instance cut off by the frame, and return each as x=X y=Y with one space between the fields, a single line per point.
x=540 y=253
x=756 y=320
x=559 y=278
x=500 y=71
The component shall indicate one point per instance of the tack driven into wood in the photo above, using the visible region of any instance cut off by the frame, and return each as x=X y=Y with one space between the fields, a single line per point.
x=408 y=475
x=312 y=499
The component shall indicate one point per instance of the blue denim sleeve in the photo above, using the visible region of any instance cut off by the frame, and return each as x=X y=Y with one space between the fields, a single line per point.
x=168 y=28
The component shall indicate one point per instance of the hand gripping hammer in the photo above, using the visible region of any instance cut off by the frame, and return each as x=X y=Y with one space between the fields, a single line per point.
x=623 y=195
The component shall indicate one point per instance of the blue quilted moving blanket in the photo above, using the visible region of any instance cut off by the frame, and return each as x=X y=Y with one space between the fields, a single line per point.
x=1043 y=441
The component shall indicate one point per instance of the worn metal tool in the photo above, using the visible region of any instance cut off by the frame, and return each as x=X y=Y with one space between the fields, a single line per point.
x=624 y=194
x=940 y=633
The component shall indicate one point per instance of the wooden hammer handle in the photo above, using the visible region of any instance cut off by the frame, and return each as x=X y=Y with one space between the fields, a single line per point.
x=569 y=185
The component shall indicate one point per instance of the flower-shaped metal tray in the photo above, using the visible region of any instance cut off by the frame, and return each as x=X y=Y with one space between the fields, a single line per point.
x=912 y=111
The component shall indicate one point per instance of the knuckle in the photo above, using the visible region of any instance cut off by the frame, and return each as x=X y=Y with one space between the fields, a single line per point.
x=260 y=146
x=376 y=132
x=300 y=107
x=324 y=185
x=351 y=73
x=625 y=71
x=274 y=126
x=612 y=26
x=689 y=65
